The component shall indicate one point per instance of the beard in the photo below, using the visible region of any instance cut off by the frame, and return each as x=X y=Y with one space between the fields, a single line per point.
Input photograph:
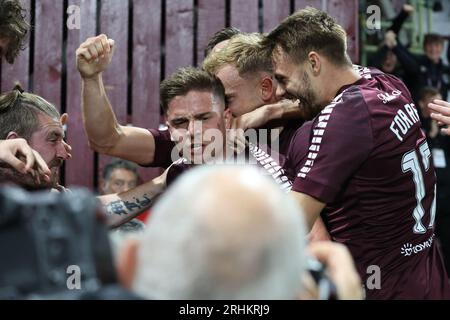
x=308 y=99
x=54 y=166
x=27 y=181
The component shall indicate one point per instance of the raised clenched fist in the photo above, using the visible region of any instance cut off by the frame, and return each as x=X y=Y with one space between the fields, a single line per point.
x=94 y=55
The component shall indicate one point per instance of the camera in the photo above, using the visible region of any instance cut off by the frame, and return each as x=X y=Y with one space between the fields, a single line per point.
x=43 y=236
x=325 y=287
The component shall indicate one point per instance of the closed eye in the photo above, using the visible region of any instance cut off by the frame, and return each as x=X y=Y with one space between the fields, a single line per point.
x=228 y=99
x=203 y=116
x=178 y=122
x=280 y=79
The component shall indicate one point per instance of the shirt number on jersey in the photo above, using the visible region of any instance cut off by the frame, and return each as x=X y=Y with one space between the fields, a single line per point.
x=410 y=162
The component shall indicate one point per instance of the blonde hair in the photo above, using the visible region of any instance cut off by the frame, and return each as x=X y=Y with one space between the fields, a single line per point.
x=243 y=51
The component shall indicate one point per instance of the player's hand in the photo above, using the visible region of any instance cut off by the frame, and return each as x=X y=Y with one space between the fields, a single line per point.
x=261 y=116
x=254 y=119
x=162 y=179
x=235 y=139
x=18 y=154
x=340 y=267
x=94 y=56
x=441 y=113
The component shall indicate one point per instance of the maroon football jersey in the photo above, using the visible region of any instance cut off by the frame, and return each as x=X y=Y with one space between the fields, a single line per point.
x=270 y=162
x=366 y=157
x=259 y=156
x=163 y=148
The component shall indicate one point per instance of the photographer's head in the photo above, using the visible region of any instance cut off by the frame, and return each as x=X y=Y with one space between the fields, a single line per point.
x=219 y=233
x=194 y=103
x=29 y=116
x=13 y=29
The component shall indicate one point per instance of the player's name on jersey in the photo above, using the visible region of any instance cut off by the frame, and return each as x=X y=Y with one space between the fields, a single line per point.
x=404 y=120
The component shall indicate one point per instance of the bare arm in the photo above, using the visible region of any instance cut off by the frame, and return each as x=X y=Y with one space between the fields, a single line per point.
x=285 y=109
x=319 y=232
x=105 y=134
x=126 y=206
x=310 y=207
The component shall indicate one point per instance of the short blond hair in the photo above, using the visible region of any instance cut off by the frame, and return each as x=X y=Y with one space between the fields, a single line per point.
x=243 y=51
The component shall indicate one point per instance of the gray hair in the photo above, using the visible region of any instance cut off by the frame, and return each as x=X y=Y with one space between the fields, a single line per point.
x=222 y=233
x=19 y=112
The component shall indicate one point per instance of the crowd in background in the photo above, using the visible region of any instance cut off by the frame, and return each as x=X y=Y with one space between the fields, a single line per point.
x=427 y=78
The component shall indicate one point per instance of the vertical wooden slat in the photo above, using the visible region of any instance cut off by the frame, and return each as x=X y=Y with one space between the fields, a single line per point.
x=244 y=15
x=146 y=63
x=79 y=169
x=179 y=46
x=146 y=68
x=346 y=14
x=300 y=4
x=48 y=50
x=274 y=12
x=19 y=71
x=211 y=18
x=114 y=23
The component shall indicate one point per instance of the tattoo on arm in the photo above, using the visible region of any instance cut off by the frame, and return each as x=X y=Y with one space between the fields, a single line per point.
x=121 y=207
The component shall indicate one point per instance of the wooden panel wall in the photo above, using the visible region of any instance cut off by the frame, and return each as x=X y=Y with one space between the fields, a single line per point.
x=153 y=38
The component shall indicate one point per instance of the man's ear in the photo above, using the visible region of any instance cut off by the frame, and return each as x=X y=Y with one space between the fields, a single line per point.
x=267 y=89
x=12 y=135
x=127 y=262
x=64 y=119
x=314 y=62
x=227 y=116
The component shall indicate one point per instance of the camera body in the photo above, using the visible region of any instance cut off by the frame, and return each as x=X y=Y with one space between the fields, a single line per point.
x=44 y=236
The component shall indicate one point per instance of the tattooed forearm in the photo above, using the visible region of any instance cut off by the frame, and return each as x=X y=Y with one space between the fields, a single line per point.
x=123 y=207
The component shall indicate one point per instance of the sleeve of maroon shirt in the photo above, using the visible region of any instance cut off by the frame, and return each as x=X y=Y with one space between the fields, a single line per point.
x=163 y=148
x=340 y=142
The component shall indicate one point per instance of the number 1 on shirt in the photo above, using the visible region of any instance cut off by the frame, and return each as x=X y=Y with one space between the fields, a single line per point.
x=410 y=162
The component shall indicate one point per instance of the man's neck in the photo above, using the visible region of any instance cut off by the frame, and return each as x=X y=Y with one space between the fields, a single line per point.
x=339 y=77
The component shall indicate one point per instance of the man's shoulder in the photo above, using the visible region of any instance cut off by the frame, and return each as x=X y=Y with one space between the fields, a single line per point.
x=161 y=133
x=377 y=89
x=348 y=104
